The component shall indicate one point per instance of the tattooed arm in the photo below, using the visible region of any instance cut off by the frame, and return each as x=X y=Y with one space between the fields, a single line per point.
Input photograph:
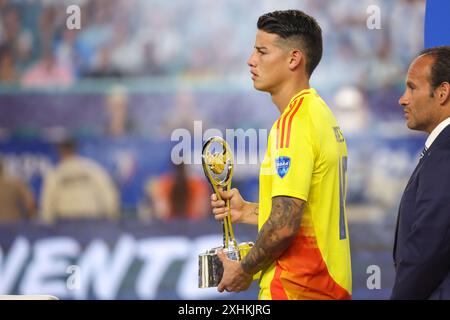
x=276 y=235
x=251 y=213
x=273 y=239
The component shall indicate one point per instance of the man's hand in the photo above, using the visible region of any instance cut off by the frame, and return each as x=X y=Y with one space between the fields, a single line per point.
x=240 y=210
x=234 y=278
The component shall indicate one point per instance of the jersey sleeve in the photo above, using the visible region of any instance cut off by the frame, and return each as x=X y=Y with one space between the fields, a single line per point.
x=294 y=158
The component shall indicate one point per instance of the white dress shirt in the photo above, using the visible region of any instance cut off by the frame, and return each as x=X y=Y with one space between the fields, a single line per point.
x=436 y=131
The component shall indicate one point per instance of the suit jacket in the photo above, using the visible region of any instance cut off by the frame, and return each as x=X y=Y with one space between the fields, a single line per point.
x=422 y=238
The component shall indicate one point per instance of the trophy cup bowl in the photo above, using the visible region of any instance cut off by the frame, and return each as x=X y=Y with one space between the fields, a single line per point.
x=217 y=162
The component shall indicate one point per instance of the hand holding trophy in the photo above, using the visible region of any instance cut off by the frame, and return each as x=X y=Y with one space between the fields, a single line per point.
x=217 y=162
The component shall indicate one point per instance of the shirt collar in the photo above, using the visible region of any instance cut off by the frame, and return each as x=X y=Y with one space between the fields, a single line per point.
x=433 y=135
x=300 y=94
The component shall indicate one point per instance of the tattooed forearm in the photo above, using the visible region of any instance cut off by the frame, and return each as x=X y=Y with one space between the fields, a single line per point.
x=251 y=213
x=276 y=235
x=256 y=209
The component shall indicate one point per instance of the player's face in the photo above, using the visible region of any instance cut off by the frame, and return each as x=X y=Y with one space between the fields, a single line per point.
x=420 y=109
x=268 y=62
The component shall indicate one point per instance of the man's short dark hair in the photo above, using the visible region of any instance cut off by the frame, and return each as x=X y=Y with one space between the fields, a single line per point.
x=440 y=70
x=67 y=145
x=297 y=26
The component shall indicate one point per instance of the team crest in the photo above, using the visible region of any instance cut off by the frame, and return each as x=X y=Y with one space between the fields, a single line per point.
x=282 y=164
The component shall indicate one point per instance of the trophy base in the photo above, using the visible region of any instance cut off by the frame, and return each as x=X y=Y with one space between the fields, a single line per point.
x=210 y=270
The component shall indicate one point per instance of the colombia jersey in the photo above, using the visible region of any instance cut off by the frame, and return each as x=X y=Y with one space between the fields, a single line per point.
x=306 y=158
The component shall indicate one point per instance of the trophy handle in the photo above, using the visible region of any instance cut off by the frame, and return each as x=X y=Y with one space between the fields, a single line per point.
x=227 y=224
x=227 y=218
x=225 y=184
x=228 y=234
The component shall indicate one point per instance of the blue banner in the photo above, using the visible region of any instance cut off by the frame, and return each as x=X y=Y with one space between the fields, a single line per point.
x=437 y=23
x=99 y=259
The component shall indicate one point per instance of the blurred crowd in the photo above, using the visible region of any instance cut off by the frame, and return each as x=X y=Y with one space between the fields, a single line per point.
x=129 y=38
x=361 y=77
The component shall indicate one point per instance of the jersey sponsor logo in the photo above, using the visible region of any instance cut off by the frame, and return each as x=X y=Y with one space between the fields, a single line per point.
x=282 y=164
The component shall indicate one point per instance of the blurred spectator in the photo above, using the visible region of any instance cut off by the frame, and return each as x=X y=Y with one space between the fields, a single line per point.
x=66 y=51
x=150 y=64
x=351 y=110
x=47 y=24
x=78 y=188
x=15 y=37
x=16 y=199
x=126 y=52
x=385 y=70
x=185 y=109
x=179 y=195
x=102 y=67
x=8 y=72
x=47 y=73
x=117 y=105
x=405 y=32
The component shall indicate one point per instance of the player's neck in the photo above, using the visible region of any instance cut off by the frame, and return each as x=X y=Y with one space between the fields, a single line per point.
x=282 y=97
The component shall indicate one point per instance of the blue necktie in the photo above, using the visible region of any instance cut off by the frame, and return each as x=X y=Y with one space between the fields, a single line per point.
x=423 y=152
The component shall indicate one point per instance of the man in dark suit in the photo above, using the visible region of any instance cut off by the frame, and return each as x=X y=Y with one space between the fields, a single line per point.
x=422 y=239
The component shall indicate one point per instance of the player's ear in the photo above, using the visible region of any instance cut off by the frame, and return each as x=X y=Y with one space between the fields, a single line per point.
x=443 y=92
x=296 y=57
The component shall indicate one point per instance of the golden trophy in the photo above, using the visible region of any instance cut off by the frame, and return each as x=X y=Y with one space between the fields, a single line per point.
x=217 y=162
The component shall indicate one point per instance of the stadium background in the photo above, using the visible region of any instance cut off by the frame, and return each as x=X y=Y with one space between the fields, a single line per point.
x=167 y=64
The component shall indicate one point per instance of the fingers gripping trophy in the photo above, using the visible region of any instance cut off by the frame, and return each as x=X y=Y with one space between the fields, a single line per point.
x=217 y=162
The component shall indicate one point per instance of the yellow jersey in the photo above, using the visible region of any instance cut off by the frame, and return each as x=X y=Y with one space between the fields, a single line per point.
x=306 y=158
